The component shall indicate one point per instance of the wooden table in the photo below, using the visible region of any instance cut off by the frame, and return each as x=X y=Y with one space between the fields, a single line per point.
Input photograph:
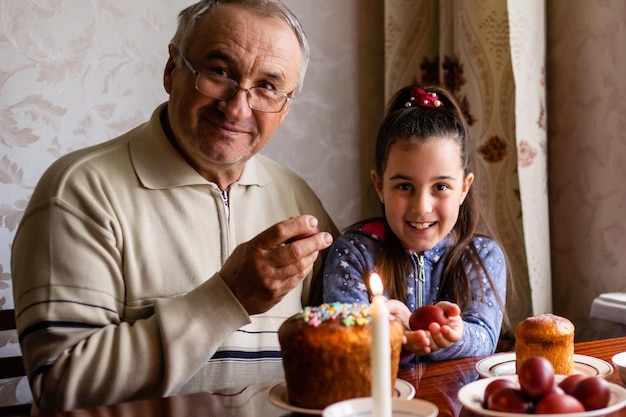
x=435 y=382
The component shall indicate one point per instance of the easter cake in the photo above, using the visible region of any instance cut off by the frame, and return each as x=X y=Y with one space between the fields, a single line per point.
x=326 y=353
x=546 y=335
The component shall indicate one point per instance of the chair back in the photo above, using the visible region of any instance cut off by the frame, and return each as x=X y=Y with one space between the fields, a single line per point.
x=11 y=367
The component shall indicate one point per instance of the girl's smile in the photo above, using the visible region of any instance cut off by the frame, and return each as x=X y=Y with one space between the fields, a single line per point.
x=420 y=226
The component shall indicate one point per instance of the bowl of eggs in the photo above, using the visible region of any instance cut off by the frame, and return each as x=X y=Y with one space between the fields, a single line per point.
x=537 y=390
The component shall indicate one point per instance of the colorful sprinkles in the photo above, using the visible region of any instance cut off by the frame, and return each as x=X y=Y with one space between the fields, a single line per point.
x=347 y=314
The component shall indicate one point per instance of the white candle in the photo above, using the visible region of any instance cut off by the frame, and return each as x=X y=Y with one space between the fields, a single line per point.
x=381 y=350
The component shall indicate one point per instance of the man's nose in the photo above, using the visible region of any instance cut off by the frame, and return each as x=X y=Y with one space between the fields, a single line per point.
x=236 y=107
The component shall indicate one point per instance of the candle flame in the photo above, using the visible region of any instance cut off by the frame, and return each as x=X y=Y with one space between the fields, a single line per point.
x=376 y=284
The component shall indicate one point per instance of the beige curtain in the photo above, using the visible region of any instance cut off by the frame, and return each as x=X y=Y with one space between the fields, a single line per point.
x=490 y=53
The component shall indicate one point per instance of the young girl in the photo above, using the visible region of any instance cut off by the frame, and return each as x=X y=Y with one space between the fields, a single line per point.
x=425 y=247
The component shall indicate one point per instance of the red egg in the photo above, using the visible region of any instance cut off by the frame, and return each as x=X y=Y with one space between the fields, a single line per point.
x=509 y=400
x=423 y=316
x=558 y=404
x=594 y=392
x=570 y=382
x=536 y=376
x=304 y=235
x=494 y=386
x=556 y=390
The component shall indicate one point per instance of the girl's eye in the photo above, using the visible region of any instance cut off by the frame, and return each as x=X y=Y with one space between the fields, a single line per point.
x=404 y=187
x=441 y=187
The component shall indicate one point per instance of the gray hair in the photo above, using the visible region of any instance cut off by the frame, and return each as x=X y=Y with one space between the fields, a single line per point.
x=188 y=18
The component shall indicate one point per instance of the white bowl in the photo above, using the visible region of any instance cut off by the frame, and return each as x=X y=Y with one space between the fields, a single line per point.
x=471 y=396
x=619 y=361
x=362 y=407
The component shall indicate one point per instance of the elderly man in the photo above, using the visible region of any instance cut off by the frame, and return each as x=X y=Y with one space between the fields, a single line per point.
x=161 y=262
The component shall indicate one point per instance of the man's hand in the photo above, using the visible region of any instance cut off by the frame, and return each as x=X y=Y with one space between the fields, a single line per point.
x=263 y=270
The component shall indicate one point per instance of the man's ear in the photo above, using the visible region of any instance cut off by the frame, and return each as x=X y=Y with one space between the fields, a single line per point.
x=169 y=68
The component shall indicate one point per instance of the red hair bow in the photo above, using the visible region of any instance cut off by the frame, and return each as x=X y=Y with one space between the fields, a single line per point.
x=424 y=98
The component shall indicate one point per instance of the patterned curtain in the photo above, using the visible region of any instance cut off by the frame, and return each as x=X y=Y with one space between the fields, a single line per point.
x=482 y=50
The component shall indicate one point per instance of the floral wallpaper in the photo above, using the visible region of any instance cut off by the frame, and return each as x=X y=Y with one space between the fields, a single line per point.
x=74 y=73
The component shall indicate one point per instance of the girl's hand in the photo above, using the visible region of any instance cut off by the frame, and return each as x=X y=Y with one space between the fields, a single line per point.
x=416 y=342
x=444 y=336
x=423 y=342
x=400 y=312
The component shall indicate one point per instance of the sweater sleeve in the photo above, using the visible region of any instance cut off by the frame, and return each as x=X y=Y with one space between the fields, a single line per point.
x=483 y=319
x=82 y=343
x=349 y=260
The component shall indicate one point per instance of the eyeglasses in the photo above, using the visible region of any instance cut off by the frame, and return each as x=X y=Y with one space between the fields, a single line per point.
x=223 y=88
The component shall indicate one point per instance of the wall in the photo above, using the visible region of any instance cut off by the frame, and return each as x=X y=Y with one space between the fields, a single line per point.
x=587 y=150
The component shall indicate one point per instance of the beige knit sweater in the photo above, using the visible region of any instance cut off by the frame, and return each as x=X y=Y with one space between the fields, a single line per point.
x=115 y=278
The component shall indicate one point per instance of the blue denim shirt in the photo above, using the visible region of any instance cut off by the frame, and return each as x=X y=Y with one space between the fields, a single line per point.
x=354 y=255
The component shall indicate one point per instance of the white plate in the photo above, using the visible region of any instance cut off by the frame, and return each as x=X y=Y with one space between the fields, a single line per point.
x=502 y=364
x=471 y=396
x=363 y=407
x=278 y=396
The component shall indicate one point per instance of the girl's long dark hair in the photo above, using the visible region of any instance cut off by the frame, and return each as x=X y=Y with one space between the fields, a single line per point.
x=415 y=125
